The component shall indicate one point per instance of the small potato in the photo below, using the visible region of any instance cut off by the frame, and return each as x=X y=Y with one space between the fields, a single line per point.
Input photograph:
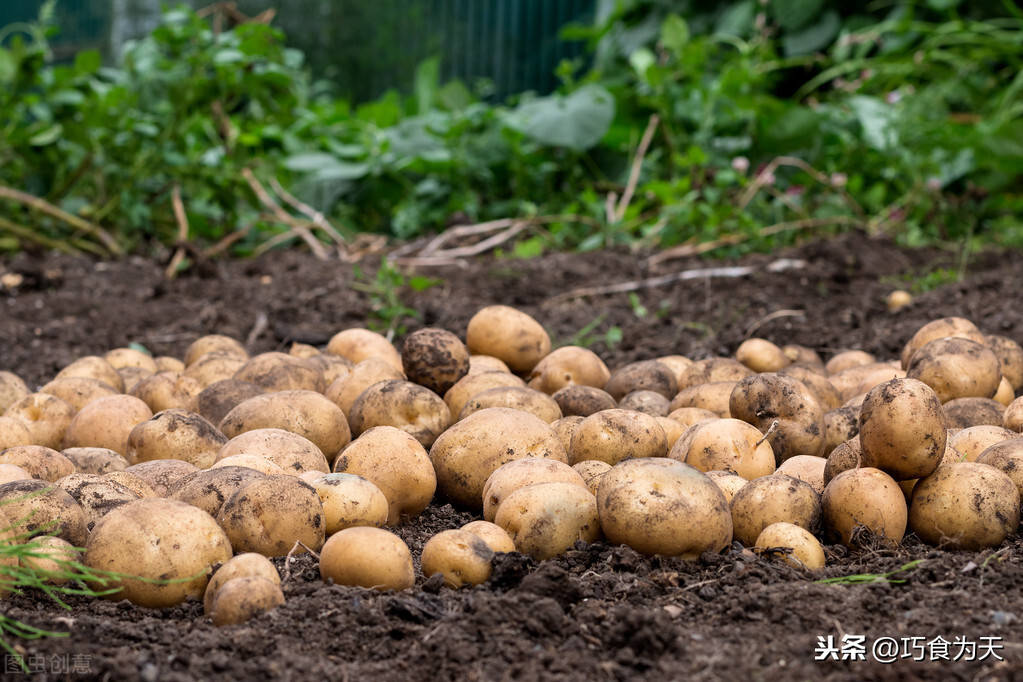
x=672 y=430
x=712 y=397
x=356 y=345
x=157 y=540
x=529 y=400
x=840 y=425
x=805 y=550
x=963 y=413
x=161 y=475
x=14 y=432
x=946 y=327
x=271 y=514
x=648 y=375
x=280 y=372
x=472 y=384
x=241 y=599
x=434 y=358
x=486 y=363
x=460 y=556
x=848 y=359
x=168 y=391
x=972 y=441
x=805 y=468
x=1010 y=358
x=765 y=399
x=49 y=558
x=582 y=401
x=565 y=428
x=661 y=506
x=760 y=355
x=12 y=472
x=35 y=507
x=130 y=357
x=902 y=429
x=43 y=463
x=290 y=451
x=496 y=538
x=713 y=370
x=93 y=367
x=569 y=366
x=344 y=391
x=107 y=423
x=175 y=434
x=348 y=501
x=414 y=409
x=689 y=416
x=1004 y=395
x=802 y=356
x=12 y=389
x=1012 y=418
x=592 y=470
x=216 y=400
x=166 y=363
x=307 y=413
x=255 y=462
x=865 y=497
x=770 y=499
x=78 y=391
x=844 y=457
x=45 y=416
x=508 y=334
x=898 y=299
x=729 y=482
x=97 y=495
x=956 y=368
x=1007 y=457
x=367 y=557
x=213 y=343
x=725 y=445
x=213 y=367
x=303 y=350
x=210 y=488
x=939 y=516
x=825 y=392
x=247 y=565
x=397 y=464
x=677 y=364
x=647 y=402
x=546 y=519
x=519 y=473
x=615 y=435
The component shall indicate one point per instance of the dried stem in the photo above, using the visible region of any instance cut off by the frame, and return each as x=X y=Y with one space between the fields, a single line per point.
x=637 y=166
x=54 y=212
x=182 y=220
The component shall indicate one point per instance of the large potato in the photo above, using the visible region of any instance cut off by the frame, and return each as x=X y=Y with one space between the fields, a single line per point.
x=107 y=423
x=614 y=435
x=281 y=372
x=519 y=473
x=647 y=375
x=773 y=499
x=547 y=519
x=414 y=409
x=290 y=451
x=529 y=400
x=963 y=413
x=307 y=413
x=35 y=507
x=765 y=399
x=77 y=391
x=213 y=367
x=43 y=463
x=725 y=445
x=357 y=345
x=271 y=514
x=760 y=355
x=46 y=417
x=367 y=557
x=95 y=460
x=214 y=343
x=473 y=384
x=713 y=370
x=946 y=327
x=965 y=505
x=97 y=495
x=12 y=389
x=569 y=366
x=712 y=397
x=348 y=501
x=508 y=334
x=434 y=358
x=14 y=432
x=169 y=390
x=1010 y=358
x=972 y=441
x=902 y=429
x=93 y=367
x=344 y=390
x=175 y=434
x=582 y=401
x=865 y=498
x=216 y=400
x=209 y=489
x=162 y=476
x=956 y=368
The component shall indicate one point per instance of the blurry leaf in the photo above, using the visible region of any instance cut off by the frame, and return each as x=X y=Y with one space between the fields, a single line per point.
x=943 y=5
x=88 y=61
x=384 y=112
x=613 y=337
x=47 y=136
x=528 y=248
x=577 y=121
x=427 y=83
x=674 y=34
x=325 y=166
x=454 y=96
x=139 y=347
x=792 y=15
x=737 y=19
x=8 y=66
x=228 y=56
x=952 y=167
x=641 y=60
x=814 y=37
x=876 y=118
x=421 y=283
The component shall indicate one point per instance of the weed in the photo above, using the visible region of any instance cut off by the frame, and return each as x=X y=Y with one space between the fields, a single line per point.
x=893 y=577
x=388 y=311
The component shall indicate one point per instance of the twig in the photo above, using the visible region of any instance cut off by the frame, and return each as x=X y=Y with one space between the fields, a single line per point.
x=767 y=434
x=25 y=233
x=287 y=561
x=225 y=243
x=315 y=216
x=637 y=166
x=182 y=220
x=428 y=262
x=466 y=231
x=773 y=316
x=794 y=161
x=73 y=220
x=485 y=245
x=609 y=207
x=258 y=327
x=274 y=241
x=297 y=227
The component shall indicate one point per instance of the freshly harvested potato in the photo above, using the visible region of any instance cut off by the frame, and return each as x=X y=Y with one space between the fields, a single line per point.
x=847 y=359
x=49 y=557
x=1007 y=457
x=107 y=423
x=434 y=358
x=673 y=430
x=167 y=391
x=134 y=483
x=166 y=363
x=214 y=343
x=575 y=400
x=210 y=488
x=902 y=429
x=397 y=464
x=280 y=372
x=592 y=470
x=14 y=432
x=303 y=350
x=725 y=445
x=802 y=356
x=760 y=355
x=956 y=368
x=519 y=473
x=1010 y=359
x=1004 y=395
x=213 y=367
x=486 y=363
x=497 y=538
x=290 y=451
x=77 y=391
x=46 y=417
x=826 y=393
x=647 y=375
x=12 y=472
x=662 y=506
x=865 y=497
x=35 y=507
x=367 y=557
x=41 y=462
x=898 y=299
x=247 y=565
x=12 y=389
x=508 y=334
x=98 y=496
x=1012 y=418
x=713 y=397
x=565 y=428
x=647 y=402
x=689 y=416
x=615 y=435
x=460 y=556
x=344 y=391
x=963 y=413
x=270 y=515
x=241 y=599
x=331 y=367
x=939 y=516
x=529 y=400
x=157 y=540
x=972 y=441
x=805 y=468
x=256 y=462
x=713 y=370
x=844 y=457
x=840 y=425
x=770 y=499
x=547 y=519
x=348 y=501
x=93 y=367
x=307 y=413
x=356 y=345
x=569 y=366
x=677 y=364
x=466 y=454
x=130 y=357
x=946 y=327
x=414 y=409
x=729 y=482
x=765 y=399
x=175 y=434
x=804 y=550
x=161 y=475
x=216 y=400
x=858 y=380
x=472 y=384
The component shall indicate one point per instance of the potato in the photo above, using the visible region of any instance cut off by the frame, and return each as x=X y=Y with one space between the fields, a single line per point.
x=307 y=413
x=486 y=363
x=214 y=343
x=434 y=358
x=825 y=392
x=107 y=423
x=1007 y=457
x=280 y=372
x=770 y=499
x=49 y=558
x=844 y=457
x=689 y=416
x=649 y=375
x=303 y=350
x=729 y=483
x=130 y=357
x=547 y=519
x=569 y=366
x=898 y=299
x=331 y=367
x=582 y=400
x=43 y=463
x=175 y=434
x=134 y=483
x=963 y=413
x=348 y=501
x=713 y=397
x=760 y=355
x=508 y=334
x=77 y=391
x=157 y=540
x=166 y=363
x=256 y=462
x=1010 y=359
x=210 y=488
x=565 y=428
x=410 y=407
x=161 y=475
x=492 y=534
x=241 y=599
x=614 y=435
x=14 y=432
x=461 y=557
x=131 y=376
x=661 y=506
x=956 y=368
x=647 y=402
x=673 y=430
x=592 y=470
x=345 y=390
x=167 y=391
x=290 y=451
x=805 y=468
x=97 y=496
x=902 y=429
x=45 y=416
x=397 y=464
x=213 y=367
x=12 y=389
x=12 y=472
x=840 y=425
x=93 y=367
x=519 y=473
x=725 y=445
x=972 y=441
x=216 y=400
x=764 y=399
x=356 y=345
x=858 y=380
x=35 y=507
x=805 y=550
x=247 y=565
x=367 y=557
x=472 y=384
x=270 y=515
x=466 y=454
x=1004 y=395
x=801 y=356
x=677 y=364
x=528 y=400
x=1012 y=418
x=847 y=359
x=965 y=505
x=865 y=497
x=713 y=370
x=946 y=327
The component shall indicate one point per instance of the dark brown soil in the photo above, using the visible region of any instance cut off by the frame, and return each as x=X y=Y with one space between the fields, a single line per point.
x=598 y=612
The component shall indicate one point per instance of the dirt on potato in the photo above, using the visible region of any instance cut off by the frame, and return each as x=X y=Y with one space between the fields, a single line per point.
x=598 y=612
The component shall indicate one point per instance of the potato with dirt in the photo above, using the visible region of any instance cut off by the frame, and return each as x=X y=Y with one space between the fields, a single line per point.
x=367 y=557
x=246 y=565
x=956 y=368
x=569 y=366
x=784 y=410
x=528 y=400
x=460 y=556
x=582 y=401
x=760 y=355
x=798 y=546
x=169 y=390
x=963 y=413
x=712 y=397
x=349 y=501
x=519 y=473
x=42 y=463
x=772 y=499
x=902 y=429
x=160 y=475
x=509 y=335
x=1010 y=359
x=93 y=367
x=713 y=370
x=241 y=599
x=344 y=390
x=293 y=453
x=281 y=372
x=356 y=345
x=647 y=402
x=725 y=445
x=14 y=432
x=614 y=435
x=805 y=468
x=33 y=507
x=213 y=343
x=307 y=413
x=107 y=423
x=12 y=389
x=46 y=417
x=270 y=515
x=210 y=488
x=546 y=519
x=97 y=496
x=78 y=391
x=414 y=409
x=943 y=328
x=175 y=434
x=216 y=400
x=646 y=375
x=434 y=358
x=864 y=498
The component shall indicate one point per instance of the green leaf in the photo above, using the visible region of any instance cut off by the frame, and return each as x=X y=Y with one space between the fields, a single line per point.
x=88 y=61
x=325 y=166
x=641 y=60
x=228 y=55
x=8 y=66
x=427 y=83
x=792 y=15
x=420 y=283
x=47 y=136
x=577 y=121
x=528 y=248
x=943 y=5
x=674 y=34
x=815 y=37
x=876 y=118
x=737 y=19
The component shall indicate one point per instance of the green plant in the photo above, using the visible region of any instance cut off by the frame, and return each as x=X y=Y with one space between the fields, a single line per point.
x=388 y=311
x=894 y=577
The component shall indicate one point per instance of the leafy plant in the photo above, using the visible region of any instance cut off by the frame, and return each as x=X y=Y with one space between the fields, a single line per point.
x=388 y=311
x=893 y=577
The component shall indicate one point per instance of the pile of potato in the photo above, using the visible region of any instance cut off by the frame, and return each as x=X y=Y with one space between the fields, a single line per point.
x=165 y=470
